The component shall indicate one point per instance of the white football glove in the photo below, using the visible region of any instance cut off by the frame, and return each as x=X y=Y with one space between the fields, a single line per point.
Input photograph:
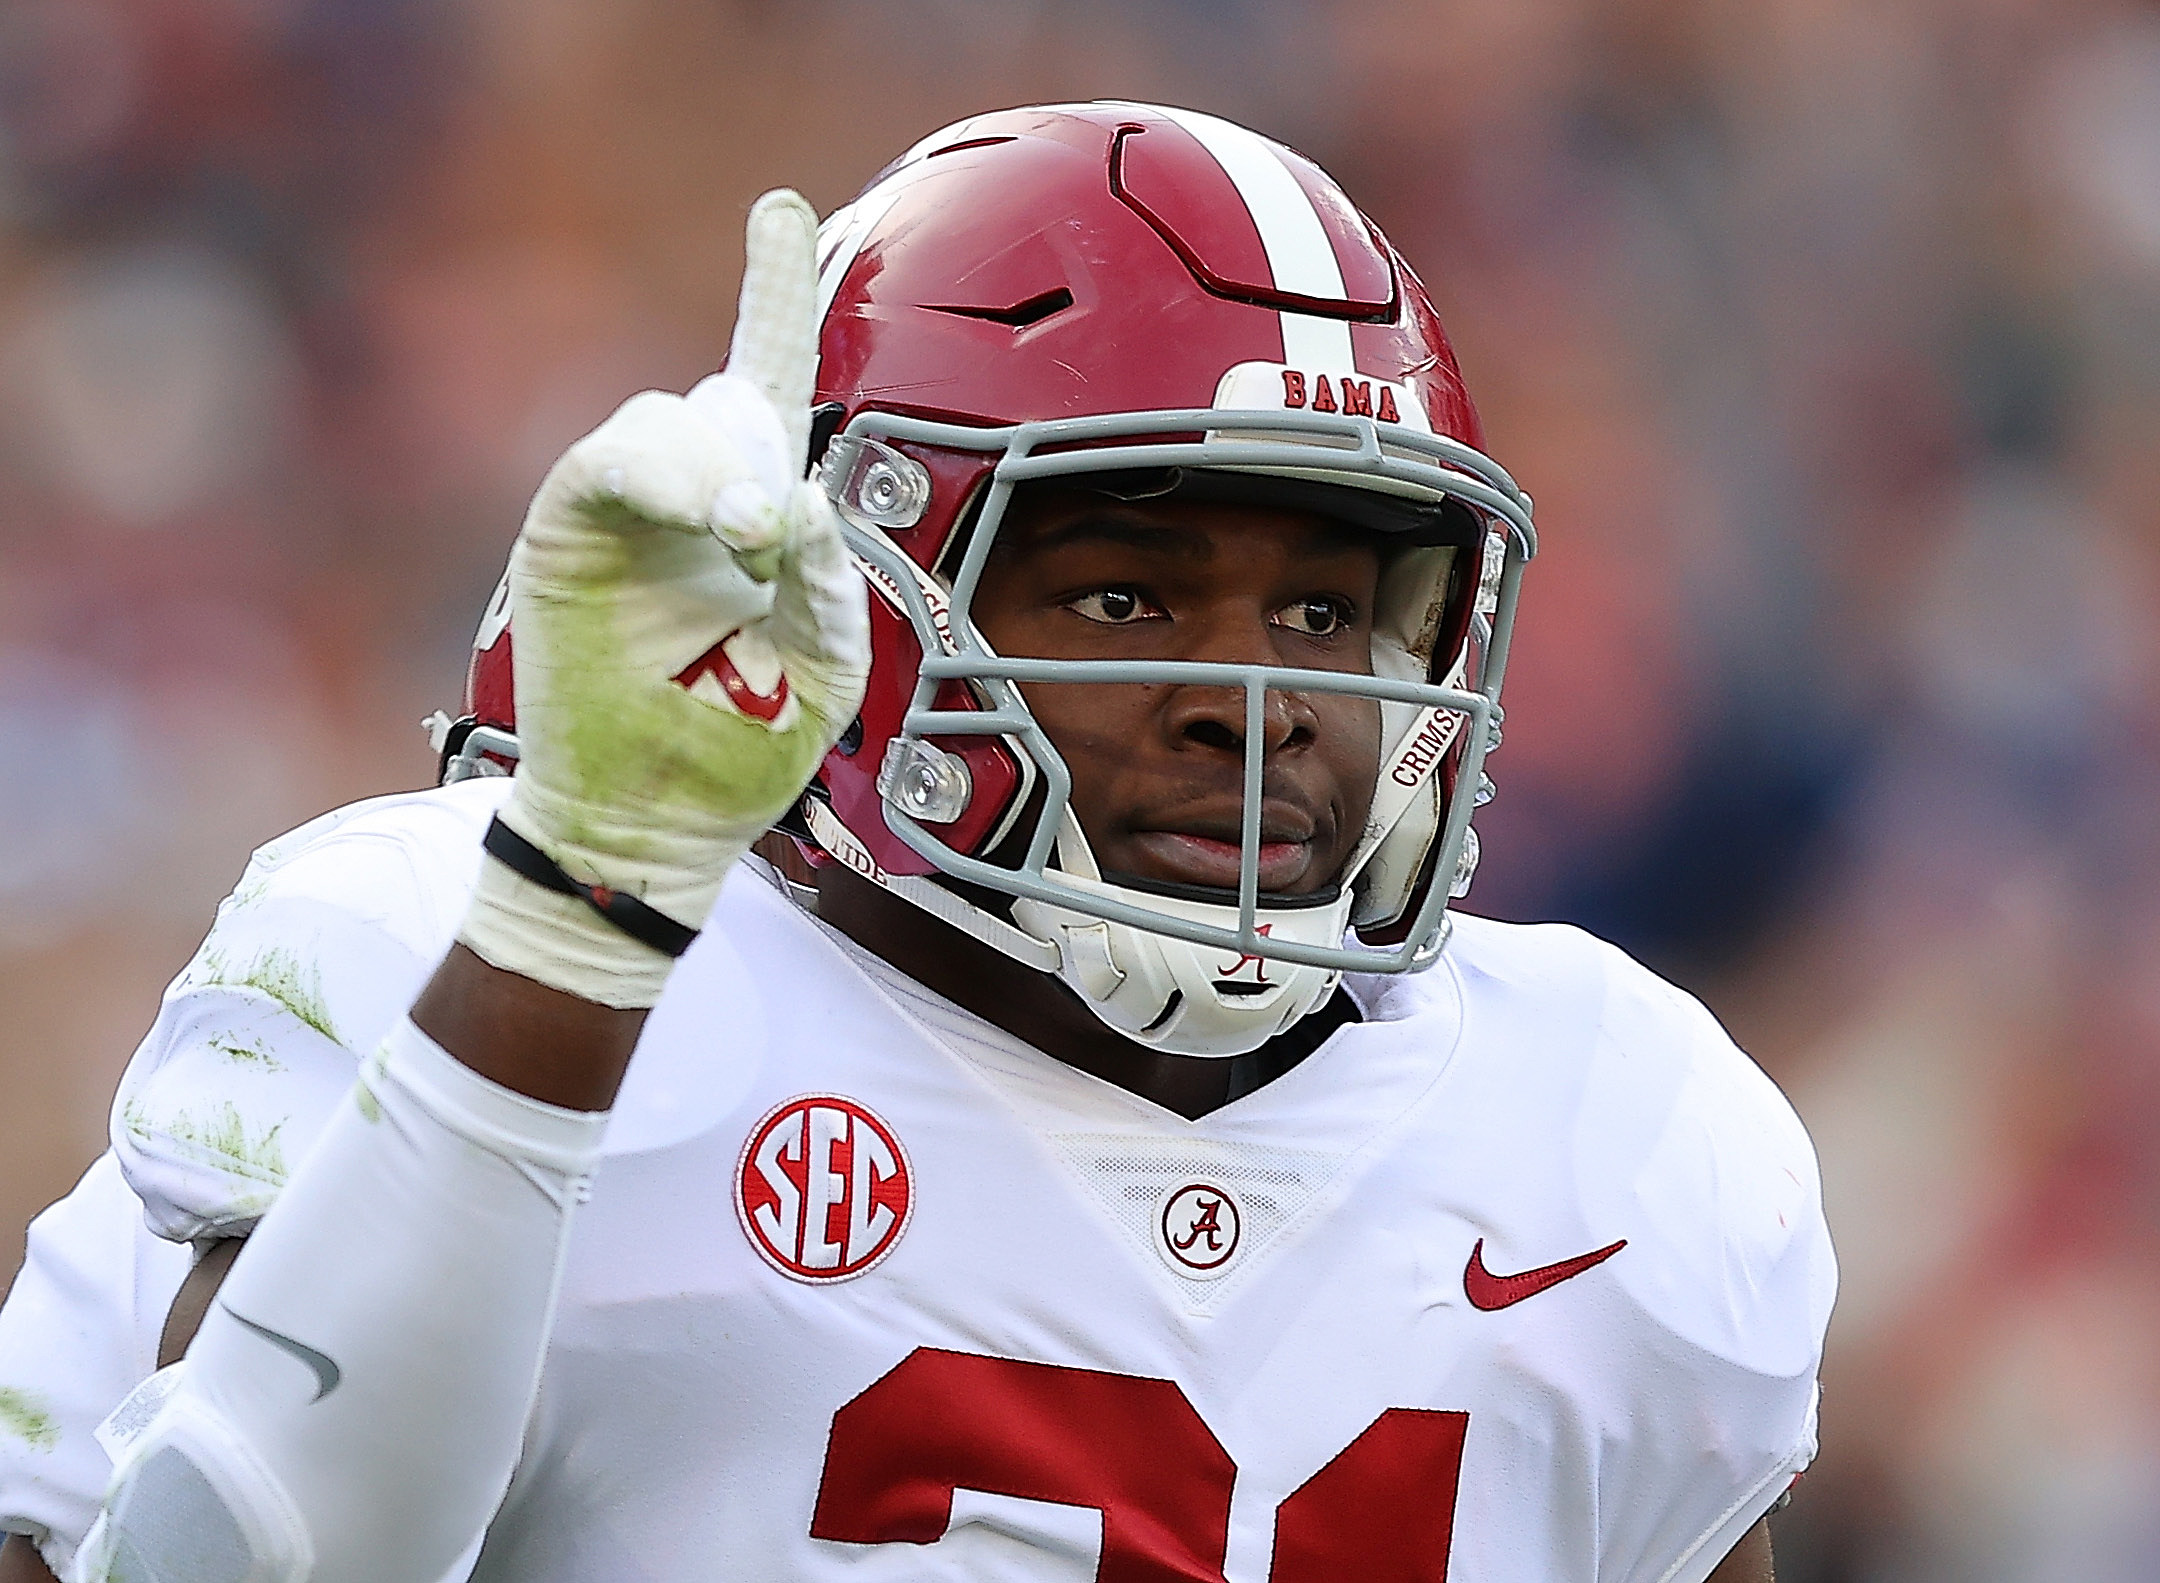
x=691 y=641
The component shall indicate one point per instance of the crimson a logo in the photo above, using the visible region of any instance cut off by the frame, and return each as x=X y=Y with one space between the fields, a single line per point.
x=1246 y=959
x=1199 y=1228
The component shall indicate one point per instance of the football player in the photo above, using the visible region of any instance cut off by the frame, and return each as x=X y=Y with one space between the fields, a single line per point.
x=1107 y=1157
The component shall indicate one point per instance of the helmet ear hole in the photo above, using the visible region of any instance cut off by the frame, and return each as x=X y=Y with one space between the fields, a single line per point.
x=825 y=420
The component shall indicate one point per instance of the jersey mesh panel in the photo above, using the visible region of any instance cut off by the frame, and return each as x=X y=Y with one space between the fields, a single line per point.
x=1133 y=1178
x=172 y=1527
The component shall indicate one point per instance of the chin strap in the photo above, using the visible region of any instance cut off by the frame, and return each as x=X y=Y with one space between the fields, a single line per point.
x=993 y=931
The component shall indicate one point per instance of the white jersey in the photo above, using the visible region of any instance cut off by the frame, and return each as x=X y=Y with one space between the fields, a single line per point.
x=1521 y=1277
x=79 y=1331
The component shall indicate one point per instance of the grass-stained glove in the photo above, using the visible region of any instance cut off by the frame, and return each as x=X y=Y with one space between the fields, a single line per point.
x=691 y=641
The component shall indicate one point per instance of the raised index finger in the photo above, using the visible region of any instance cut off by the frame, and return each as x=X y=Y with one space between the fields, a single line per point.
x=776 y=329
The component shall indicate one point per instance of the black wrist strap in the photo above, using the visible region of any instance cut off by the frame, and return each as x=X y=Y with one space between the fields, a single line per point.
x=640 y=922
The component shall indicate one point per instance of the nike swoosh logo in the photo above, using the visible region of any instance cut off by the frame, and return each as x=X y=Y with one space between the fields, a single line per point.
x=327 y=1373
x=1492 y=1292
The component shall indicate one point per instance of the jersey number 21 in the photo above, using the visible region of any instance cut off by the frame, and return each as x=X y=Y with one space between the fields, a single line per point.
x=1382 y=1511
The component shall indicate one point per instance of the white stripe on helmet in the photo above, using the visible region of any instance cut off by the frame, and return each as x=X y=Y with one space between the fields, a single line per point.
x=1301 y=257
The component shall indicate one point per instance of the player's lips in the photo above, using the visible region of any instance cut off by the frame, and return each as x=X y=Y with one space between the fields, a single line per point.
x=1210 y=855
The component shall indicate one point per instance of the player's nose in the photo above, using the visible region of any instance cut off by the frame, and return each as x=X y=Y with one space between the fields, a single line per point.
x=1213 y=716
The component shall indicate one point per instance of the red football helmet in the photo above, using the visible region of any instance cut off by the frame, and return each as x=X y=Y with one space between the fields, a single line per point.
x=483 y=738
x=1161 y=302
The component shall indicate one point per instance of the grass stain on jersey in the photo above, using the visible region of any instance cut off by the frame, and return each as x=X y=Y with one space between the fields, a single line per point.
x=206 y=966
x=225 y=1139
x=247 y=1207
x=376 y=1066
x=280 y=974
x=247 y=1054
x=25 y=1416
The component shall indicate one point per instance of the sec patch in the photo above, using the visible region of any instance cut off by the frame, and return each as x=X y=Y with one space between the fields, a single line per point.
x=823 y=1188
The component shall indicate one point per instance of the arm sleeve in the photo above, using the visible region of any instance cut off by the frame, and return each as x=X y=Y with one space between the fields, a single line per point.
x=355 y=1402
x=79 y=1332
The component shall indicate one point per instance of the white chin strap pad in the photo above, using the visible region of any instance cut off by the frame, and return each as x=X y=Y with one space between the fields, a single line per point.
x=355 y=1403
x=1171 y=995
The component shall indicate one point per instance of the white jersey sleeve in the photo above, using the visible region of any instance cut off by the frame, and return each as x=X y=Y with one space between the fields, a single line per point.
x=330 y=934
x=1731 y=1266
x=79 y=1332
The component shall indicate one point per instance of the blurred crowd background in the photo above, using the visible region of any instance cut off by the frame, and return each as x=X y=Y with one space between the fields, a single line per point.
x=1826 y=333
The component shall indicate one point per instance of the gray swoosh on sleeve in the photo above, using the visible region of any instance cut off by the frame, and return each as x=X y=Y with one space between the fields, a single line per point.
x=327 y=1373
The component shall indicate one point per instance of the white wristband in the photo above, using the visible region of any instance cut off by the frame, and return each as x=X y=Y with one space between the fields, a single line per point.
x=559 y=941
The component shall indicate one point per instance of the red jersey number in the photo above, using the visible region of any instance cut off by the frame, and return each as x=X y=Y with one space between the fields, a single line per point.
x=1135 y=1450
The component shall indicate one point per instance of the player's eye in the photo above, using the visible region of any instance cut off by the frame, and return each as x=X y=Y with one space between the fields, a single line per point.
x=1113 y=607
x=1320 y=616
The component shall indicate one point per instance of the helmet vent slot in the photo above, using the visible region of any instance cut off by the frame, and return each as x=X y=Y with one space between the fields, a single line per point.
x=1170 y=1006
x=1020 y=315
x=973 y=142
